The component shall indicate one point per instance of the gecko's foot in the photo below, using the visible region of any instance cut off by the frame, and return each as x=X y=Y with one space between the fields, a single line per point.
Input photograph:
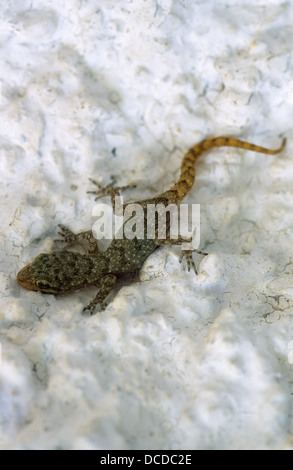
x=109 y=190
x=189 y=259
x=67 y=235
x=91 y=307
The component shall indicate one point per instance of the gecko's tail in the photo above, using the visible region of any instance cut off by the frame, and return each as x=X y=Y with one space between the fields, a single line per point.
x=185 y=182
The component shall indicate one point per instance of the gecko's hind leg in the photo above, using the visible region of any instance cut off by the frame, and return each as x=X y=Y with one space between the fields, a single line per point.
x=109 y=190
x=184 y=253
x=189 y=258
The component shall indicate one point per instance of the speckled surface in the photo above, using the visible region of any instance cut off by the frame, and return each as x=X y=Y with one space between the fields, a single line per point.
x=122 y=89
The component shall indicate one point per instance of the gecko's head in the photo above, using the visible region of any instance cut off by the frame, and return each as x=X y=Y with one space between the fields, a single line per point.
x=52 y=273
x=39 y=275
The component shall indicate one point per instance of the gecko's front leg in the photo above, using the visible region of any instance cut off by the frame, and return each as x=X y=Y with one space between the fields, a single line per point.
x=71 y=239
x=106 y=284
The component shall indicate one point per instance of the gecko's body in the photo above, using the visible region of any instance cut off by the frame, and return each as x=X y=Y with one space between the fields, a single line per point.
x=64 y=271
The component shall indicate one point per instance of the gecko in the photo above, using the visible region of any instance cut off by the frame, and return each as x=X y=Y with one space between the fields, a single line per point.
x=65 y=271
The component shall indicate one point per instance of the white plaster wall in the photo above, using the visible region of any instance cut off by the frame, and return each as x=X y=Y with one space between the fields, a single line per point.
x=176 y=361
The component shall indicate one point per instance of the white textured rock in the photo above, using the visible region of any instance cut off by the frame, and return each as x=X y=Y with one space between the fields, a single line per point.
x=122 y=89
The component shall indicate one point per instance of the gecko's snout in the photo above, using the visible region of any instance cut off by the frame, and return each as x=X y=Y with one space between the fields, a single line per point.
x=24 y=278
x=21 y=275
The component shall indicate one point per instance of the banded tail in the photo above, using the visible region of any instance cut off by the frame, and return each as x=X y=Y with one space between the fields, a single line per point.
x=185 y=182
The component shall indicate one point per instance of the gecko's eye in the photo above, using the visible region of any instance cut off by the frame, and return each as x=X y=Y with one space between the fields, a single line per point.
x=44 y=285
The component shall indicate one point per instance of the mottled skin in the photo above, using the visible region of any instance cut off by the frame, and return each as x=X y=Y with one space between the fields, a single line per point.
x=65 y=271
